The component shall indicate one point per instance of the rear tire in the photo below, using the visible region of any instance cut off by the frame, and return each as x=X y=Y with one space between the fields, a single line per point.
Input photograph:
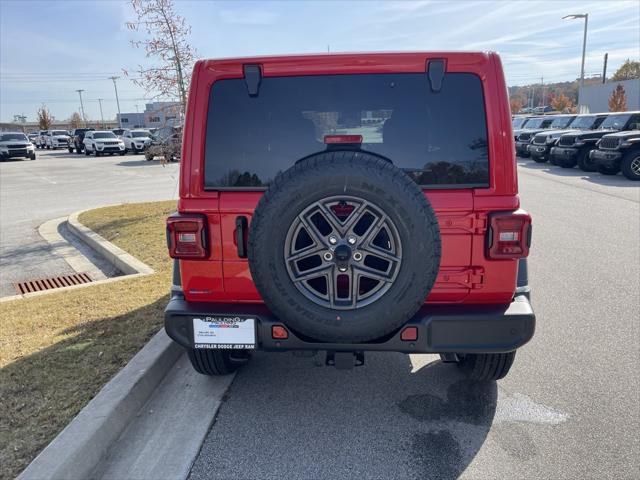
x=216 y=362
x=486 y=367
x=630 y=165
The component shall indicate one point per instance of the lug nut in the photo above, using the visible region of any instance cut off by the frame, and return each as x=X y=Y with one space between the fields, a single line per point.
x=333 y=239
x=352 y=240
x=357 y=256
x=328 y=256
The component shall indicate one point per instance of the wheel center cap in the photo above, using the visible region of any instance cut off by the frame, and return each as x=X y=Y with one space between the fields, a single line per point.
x=342 y=254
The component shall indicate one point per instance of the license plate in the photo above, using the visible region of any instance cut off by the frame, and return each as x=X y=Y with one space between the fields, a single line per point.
x=224 y=332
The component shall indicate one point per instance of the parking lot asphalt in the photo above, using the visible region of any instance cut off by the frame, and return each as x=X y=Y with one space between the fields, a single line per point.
x=568 y=409
x=57 y=184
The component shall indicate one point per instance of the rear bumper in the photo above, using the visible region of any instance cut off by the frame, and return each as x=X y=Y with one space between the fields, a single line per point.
x=441 y=329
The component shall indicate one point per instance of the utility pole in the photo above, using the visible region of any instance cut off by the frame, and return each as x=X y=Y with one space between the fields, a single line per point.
x=543 y=92
x=84 y=117
x=604 y=68
x=101 y=115
x=584 y=49
x=137 y=111
x=115 y=87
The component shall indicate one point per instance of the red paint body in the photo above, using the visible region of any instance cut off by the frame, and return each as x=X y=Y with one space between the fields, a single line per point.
x=466 y=275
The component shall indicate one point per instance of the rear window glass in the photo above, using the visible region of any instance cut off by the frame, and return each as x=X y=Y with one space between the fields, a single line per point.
x=438 y=139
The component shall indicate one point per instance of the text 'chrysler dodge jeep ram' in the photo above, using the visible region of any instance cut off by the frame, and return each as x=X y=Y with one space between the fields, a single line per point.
x=334 y=204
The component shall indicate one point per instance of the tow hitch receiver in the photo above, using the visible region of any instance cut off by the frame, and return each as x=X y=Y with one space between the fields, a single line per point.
x=345 y=360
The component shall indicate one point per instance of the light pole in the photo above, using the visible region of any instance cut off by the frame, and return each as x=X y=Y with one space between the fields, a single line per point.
x=115 y=87
x=84 y=117
x=101 y=115
x=574 y=16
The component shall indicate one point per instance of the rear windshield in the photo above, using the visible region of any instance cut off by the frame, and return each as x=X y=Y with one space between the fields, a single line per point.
x=438 y=139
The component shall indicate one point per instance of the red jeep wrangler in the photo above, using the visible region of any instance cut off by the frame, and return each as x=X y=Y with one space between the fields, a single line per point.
x=346 y=203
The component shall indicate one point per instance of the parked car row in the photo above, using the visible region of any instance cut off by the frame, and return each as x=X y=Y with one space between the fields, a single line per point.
x=154 y=142
x=605 y=142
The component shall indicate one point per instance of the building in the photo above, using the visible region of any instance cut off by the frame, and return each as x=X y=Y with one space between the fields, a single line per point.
x=156 y=114
x=29 y=127
x=595 y=98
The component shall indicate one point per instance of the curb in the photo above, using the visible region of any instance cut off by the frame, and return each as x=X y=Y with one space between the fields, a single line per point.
x=79 y=448
x=130 y=266
x=126 y=263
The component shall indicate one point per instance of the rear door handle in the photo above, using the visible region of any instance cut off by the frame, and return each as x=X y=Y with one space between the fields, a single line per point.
x=241 y=237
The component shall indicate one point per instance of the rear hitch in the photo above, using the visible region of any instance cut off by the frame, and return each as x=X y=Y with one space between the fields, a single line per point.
x=449 y=357
x=345 y=360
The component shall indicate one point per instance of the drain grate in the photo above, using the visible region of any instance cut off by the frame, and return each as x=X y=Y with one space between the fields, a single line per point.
x=41 y=284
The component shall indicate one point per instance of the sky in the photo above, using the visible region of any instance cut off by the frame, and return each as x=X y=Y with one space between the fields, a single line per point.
x=49 y=49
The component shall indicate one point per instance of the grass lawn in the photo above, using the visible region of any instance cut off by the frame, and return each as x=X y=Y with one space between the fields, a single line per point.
x=58 y=350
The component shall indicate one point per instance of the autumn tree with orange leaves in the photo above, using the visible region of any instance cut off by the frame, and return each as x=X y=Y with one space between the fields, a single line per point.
x=618 y=100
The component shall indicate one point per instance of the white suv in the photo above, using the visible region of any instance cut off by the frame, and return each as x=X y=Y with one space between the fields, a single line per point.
x=15 y=145
x=99 y=142
x=56 y=139
x=136 y=140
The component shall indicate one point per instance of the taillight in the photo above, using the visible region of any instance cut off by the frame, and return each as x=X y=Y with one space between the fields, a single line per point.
x=337 y=139
x=509 y=235
x=187 y=236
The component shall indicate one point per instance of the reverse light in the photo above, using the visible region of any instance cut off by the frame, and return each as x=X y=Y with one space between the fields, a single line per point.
x=509 y=235
x=187 y=236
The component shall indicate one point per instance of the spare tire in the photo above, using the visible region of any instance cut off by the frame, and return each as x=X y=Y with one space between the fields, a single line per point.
x=344 y=247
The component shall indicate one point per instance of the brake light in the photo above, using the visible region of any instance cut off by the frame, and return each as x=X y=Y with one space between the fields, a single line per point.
x=509 y=235
x=333 y=139
x=187 y=236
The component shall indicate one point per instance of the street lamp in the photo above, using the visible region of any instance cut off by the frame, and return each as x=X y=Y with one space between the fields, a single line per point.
x=584 y=47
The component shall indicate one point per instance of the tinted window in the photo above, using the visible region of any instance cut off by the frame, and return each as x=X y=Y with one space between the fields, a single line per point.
x=59 y=132
x=13 y=136
x=436 y=138
x=615 y=121
x=139 y=134
x=103 y=135
x=561 y=122
x=518 y=122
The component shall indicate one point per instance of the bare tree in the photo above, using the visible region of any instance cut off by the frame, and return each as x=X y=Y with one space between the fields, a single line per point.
x=75 y=120
x=168 y=43
x=44 y=118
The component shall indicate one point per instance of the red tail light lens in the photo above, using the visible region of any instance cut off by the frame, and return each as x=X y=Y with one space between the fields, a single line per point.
x=333 y=139
x=187 y=236
x=409 y=334
x=278 y=332
x=509 y=235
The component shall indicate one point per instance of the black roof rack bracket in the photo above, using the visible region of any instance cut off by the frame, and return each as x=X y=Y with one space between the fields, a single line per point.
x=435 y=72
x=252 y=77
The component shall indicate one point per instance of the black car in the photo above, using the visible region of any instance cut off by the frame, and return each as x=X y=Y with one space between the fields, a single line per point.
x=619 y=151
x=533 y=126
x=543 y=142
x=574 y=148
x=77 y=137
